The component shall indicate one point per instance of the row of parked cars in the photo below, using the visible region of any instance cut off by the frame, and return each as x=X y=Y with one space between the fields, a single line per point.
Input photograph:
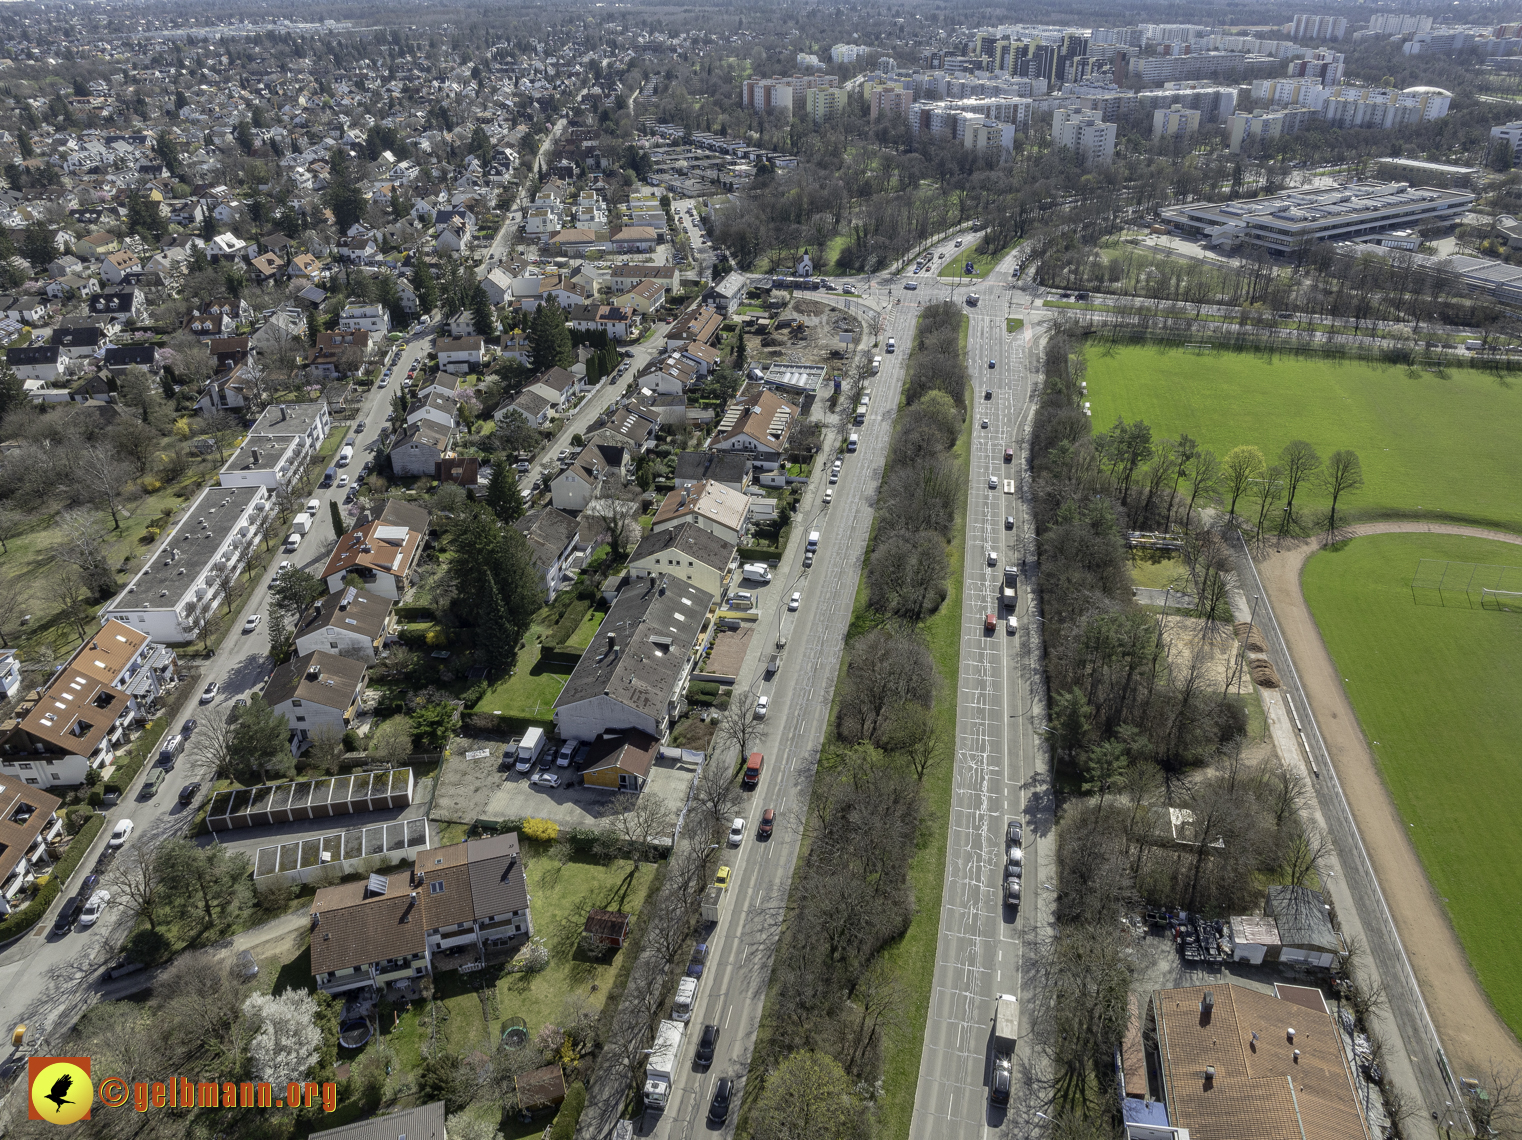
x=534 y=750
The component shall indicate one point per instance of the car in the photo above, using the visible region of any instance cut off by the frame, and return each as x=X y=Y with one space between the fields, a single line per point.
x=209 y=693
x=563 y=757
x=829 y=494
x=88 y=885
x=1011 y=892
x=991 y=364
x=722 y=878
x=343 y=480
x=245 y=964
x=93 y=909
x=911 y=285
x=698 y=960
x=383 y=383
x=120 y=834
x=808 y=559
x=795 y=601
x=993 y=482
x=1014 y=870
x=251 y=624
x=188 y=727
x=989 y=623
x=706 y=1044
x=718 y=1111
x=283 y=567
x=736 y=832
x=1013 y=831
x=360 y=426
x=1014 y=856
x=546 y=758
x=545 y=779
x=1009 y=522
x=1010 y=626
x=998 y=1087
x=988 y=393
x=834 y=475
x=993 y=557
x=768 y=820
x=762 y=704
x=985 y=424
x=1009 y=455
x=68 y=914
x=188 y=792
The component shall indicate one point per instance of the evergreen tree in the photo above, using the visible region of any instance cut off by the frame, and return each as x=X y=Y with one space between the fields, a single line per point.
x=337 y=518
x=496 y=642
x=343 y=195
x=37 y=244
x=549 y=339
x=503 y=496
x=24 y=143
x=425 y=287
x=12 y=392
x=481 y=312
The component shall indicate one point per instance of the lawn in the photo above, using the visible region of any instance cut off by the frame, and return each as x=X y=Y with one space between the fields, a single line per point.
x=982 y=263
x=1435 y=685
x=529 y=693
x=1432 y=446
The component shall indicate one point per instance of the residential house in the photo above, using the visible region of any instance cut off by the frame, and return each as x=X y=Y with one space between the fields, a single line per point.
x=731 y=469
x=26 y=310
x=442 y=383
x=196 y=560
x=316 y=691
x=710 y=505
x=530 y=405
x=727 y=295
x=29 y=821
x=514 y=346
x=552 y=538
x=634 y=239
x=385 y=556
x=498 y=285
x=622 y=278
x=438 y=409
x=367 y=934
x=43 y=364
x=696 y=326
x=10 y=674
x=77 y=342
x=119 y=358
x=557 y=385
x=418 y=449
x=350 y=623
x=304 y=269
x=340 y=353
x=460 y=356
x=633 y=677
x=65 y=266
x=688 y=552
x=92 y=388
x=115 y=267
x=576 y=486
x=67 y=288
x=97 y=245
x=609 y=319
x=266 y=268
x=226 y=247
x=223 y=394
x=206 y=327
x=455 y=238
x=574 y=241
x=373 y=318
x=229 y=351
x=123 y=302
x=759 y=431
x=634 y=426
x=622 y=761
x=358 y=249
x=644 y=297
x=282 y=442
x=477 y=898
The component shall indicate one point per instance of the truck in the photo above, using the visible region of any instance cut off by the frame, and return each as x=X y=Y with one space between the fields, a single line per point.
x=861 y=413
x=877 y=365
x=813 y=540
x=686 y=995
x=752 y=775
x=344 y=455
x=713 y=902
x=530 y=746
x=1009 y=591
x=301 y=524
x=662 y=1065
x=775 y=661
x=1006 y=1028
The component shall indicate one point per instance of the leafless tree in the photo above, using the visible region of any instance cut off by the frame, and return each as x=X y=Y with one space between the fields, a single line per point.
x=917 y=735
x=326 y=750
x=1300 y=462
x=200 y=615
x=67 y=591
x=12 y=522
x=81 y=544
x=213 y=742
x=715 y=799
x=198 y=1006
x=104 y=477
x=885 y=670
x=1204 y=476
x=136 y=443
x=224 y=577
x=12 y=603
x=1343 y=474
x=620 y=509
x=635 y=820
x=1499 y=1112
x=738 y=727
x=1268 y=490
x=135 y=879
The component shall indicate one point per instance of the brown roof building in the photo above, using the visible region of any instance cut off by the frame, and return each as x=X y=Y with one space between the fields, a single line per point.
x=1237 y=1064
x=27 y=824
x=606 y=927
x=622 y=762
x=384 y=556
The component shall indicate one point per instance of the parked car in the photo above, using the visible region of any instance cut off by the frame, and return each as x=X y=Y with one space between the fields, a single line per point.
x=794 y=602
x=698 y=961
x=251 y=624
x=736 y=832
x=721 y=879
x=763 y=703
x=1009 y=522
x=1013 y=831
x=188 y=727
x=1011 y=627
x=209 y=693
x=120 y=834
x=545 y=779
x=188 y=792
x=993 y=482
x=68 y=915
x=563 y=757
x=993 y=558
x=989 y=623
x=94 y=908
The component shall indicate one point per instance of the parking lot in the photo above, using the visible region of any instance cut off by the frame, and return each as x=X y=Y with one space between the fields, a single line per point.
x=474 y=788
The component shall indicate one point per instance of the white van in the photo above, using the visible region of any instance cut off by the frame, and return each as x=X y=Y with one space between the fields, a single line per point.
x=814 y=539
x=852 y=442
x=756 y=572
x=301 y=524
x=292 y=542
x=313 y=506
x=877 y=365
x=891 y=345
x=686 y=994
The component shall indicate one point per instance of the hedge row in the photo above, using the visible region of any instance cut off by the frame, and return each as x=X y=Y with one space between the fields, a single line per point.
x=564 y=1127
x=560 y=655
x=28 y=916
x=575 y=614
x=583 y=840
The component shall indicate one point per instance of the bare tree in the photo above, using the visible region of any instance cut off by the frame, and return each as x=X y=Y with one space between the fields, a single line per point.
x=67 y=591
x=715 y=799
x=214 y=742
x=1204 y=477
x=738 y=727
x=1300 y=462
x=1499 y=1112
x=635 y=820
x=12 y=522
x=12 y=603
x=1267 y=491
x=224 y=576
x=135 y=878
x=915 y=733
x=200 y=614
x=620 y=509
x=198 y=1005
x=82 y=545
x=1343 y=475
x=326 y=750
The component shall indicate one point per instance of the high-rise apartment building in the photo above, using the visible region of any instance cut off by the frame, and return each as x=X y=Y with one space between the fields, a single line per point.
x=1085 y=133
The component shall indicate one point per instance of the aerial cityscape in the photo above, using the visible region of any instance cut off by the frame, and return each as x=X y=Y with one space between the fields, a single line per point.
x=789 y=572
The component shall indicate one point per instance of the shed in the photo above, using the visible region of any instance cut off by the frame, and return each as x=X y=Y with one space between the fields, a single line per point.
x=608 y=927
x=542 y=1088
x=622 y=761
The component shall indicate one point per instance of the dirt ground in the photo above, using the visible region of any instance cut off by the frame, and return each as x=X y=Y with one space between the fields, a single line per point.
x=1218 y=652
x=818 y=340
x=1465 y=1020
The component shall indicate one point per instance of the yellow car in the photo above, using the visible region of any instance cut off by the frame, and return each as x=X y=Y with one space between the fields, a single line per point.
x=722 y=878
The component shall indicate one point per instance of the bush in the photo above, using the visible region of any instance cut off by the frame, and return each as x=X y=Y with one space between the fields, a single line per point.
x=541 y=830
x=147 y=946
x=436 y=639
x=702 y=692
x=476 y=693
x=575 y=614
x=352 y=742
x=29 y=915
x=75 y=818
x=96 y=797
x=564 y=1127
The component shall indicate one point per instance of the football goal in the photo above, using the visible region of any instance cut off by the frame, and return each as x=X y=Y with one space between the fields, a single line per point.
x=1508 y=601
x=1475 y=583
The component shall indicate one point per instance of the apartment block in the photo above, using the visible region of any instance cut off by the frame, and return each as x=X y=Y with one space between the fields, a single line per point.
x=1175 y=123
x=1085 y=133
x=1318 y=28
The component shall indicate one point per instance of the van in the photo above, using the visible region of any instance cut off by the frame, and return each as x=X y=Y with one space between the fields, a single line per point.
x=752 y=775
x=686 y=994
x=756 y=572
x=877 y=365
x=152 y=784
x=313 y=506
x=861 y=414
x=345 y=455
x=742 y=600
x=292 y=541
x=330 y=476
x=531 y=745
x=170 y=749
x=852 y=442
x=813 y=540
x=301 y=524
x=891 y=344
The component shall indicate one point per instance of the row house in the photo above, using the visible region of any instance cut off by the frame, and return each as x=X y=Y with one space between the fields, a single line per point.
x=29 y=822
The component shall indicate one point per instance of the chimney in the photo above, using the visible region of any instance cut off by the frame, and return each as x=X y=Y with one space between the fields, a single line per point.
x=255 y=453
x=1207 y=1003
x=1290 y=1033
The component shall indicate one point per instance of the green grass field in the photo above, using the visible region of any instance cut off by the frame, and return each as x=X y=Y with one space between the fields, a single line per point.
x=982 y=263
x=1431 y=446
x=1435 y=685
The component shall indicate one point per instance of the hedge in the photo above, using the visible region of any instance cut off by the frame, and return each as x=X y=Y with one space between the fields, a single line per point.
x=28 y=916
x=582 y=840
x=702 y=692
x=560 y=655
x=758 y=553
x=575 y=614
x=564 y=1127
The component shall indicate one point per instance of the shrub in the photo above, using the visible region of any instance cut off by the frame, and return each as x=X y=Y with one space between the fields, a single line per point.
x=564 y=1127
x=476 y=693
x=575 y=614
x=149 y=536
x=352 y=741
x=76 y=817
x=702 y=693
x=436 y=639
x=28 y=916
x=541 y=830
x=96 y=797
x=147 y=946
x=152 y=485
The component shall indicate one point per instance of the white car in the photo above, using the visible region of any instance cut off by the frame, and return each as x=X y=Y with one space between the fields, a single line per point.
x=1011 y=626
x=92 y=912
x=835 y=475
x=120 y=833
x=545 y=779
x=762 y=704
x=283 y=567
x=251 y=624
x=736 y=832
x=795 y=601
x=383 y=383
x=343 y=480
x=829 y=493
x=993 y=557
x=993 y=482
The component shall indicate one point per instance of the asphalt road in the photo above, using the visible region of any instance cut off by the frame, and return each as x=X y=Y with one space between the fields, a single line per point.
x=742 y=944
x=47 y=981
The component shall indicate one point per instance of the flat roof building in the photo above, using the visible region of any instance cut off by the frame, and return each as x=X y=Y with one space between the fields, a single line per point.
x=1294 y=221
x=279 y=446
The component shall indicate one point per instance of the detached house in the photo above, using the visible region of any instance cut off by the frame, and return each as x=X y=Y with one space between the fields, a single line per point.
x=419 y=448
x=115 y=267
x=42 y=365
x=556 y=385
x=384 y=556
x=687 y=552
x=552 y=539
x=460 y=356
x=708 y=504
x=373 y=318
x=759 y=431
x=350 y=623
x=97 y=245
x=576 y=486
x=315 y=691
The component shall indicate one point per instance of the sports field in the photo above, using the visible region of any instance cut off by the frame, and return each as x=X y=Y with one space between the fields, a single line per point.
x=1435 y=688
x=1431 y=446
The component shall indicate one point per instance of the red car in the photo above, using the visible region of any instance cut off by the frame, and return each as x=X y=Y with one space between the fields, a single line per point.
x=989 y=623
x=1009 y=455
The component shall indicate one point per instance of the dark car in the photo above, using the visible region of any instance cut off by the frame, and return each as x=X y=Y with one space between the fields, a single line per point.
x=547 y=759
x=188 y=792
x=1013 y=832
x=68 y=914
x=718 y=1111
x=699 y=960
x=998 y=1088
x=706 y=1045
x=188 y=727
x=87 y=888
x=768 y=818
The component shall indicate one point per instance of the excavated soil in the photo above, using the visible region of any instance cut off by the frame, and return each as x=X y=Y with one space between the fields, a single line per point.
x=1471 y=1030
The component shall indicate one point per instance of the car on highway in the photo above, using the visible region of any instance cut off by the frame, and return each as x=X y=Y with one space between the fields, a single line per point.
x=985 y=423
x=120 y=834
x=68 y=914
x=251 y=624
x=188 y=727
x=698 y=960
x=209 y=693
x=188 y=792
x=94 y=908
x=718 y=1110
x=1010 y=627
x=768 y=820
x=990 y=623
x=911 y=285
x=991 y=364
x=736 y=832
x=763 y=704
x=1013 y=831
x=993 y=557
x=1009 y=522
x=706 y=1045
x=993 y=482
x=545 y=779
x=722 y=878
x=795 y=601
